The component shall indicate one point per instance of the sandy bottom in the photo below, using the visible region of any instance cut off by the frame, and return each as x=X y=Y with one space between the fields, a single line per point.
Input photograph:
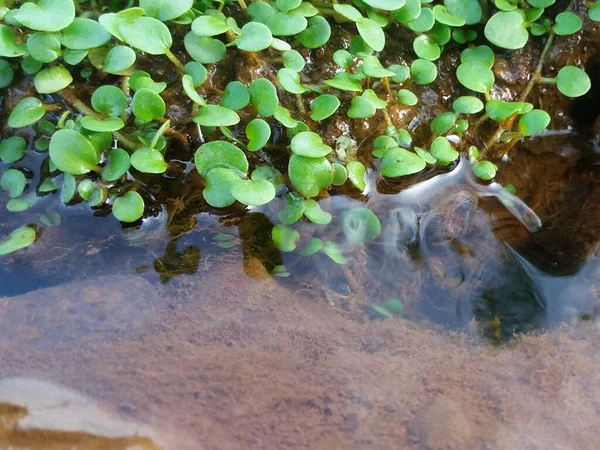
x=255 y=366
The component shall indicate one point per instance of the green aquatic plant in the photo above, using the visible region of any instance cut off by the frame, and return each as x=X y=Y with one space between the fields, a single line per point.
x=260 y=137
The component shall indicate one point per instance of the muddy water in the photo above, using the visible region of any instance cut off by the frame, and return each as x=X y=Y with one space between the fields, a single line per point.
x=120 y=340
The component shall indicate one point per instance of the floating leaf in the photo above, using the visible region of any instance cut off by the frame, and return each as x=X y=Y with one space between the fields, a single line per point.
x=398 y=162
x=360 y=225
x=310 y=175
x=220 y=154
x=13 y=181
x=72 y=153
x=129 y=208
x=293 y=209
x=443 y=152
x=12 y=149
x=219 y=181
x=148 y=160
x=20 y=238
x=253 y=192
x=118 y=165
x=68 y=189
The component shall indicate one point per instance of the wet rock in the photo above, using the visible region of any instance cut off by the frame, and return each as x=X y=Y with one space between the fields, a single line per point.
x=443 y=425
x=107 y=307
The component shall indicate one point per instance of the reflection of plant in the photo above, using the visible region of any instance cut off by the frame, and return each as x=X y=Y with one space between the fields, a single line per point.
x=100 y=151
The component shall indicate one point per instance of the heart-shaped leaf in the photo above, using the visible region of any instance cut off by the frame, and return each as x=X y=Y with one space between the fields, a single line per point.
x=398 y=162
x=258 y=133
x=315 y=214
x=148 y=160
x=507 y=30
x=324 y=106
x=219 y=181
x=443 y=152
x=72 y=153
x=310 y=175
x=118 y=165
x=309 y=144
x=285 y=238
x=253 y=192
x=220 y=154
x=46 y=15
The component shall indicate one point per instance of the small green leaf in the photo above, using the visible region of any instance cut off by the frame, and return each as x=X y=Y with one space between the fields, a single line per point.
x=258 y=133
x=507 y=30
x=442 y=15
x=485 y=170
x=253 y=192
x=47 y=15
x=372 y=33
x=166 y=10
x=68 y=189
x=425 y=48
x=286 y=24
x=8 y=47
x=7 y=74
x=567 y=23
x=356 y=174
x=401 y=71
x=425 y=155
x=147 y=105
x=198 y=73
x=109 y=124
x=334 y=252
x=290 y=81
x=209 y=26
x=533 y=122
x=573 y=82
x=148 y=160
x=423 y=71
x=324 y=106
x=340 y=174
x=109 y=100
x=309 y=144
x=312 y=247
x=129 y=208
x=361 y=108
x=119 y=59
x=348 y=11
x=43 y=47
x=316 y=34
x=467 y=105
x=205 y=50
x=285 y=238
x=293 y=60
x=263 y=97
x=220 y=154
x=386 y=5
x=443 y=123
x=254 y=38
x=19 y=239
x=481 y=53
x=83 y=34
x=236 y=96
x=443 y=152
x=117 y=166
x=310 y=175
x=12 y=149
x=216 y=116
x=373 y=68
x=476 y=76
x=146 y=34
x=72 y=152
x=469 y=10
x=13 y=181
x=217 y=192
x=424 y=22
x=398 y=162
x=52 y=79
x=293 y=209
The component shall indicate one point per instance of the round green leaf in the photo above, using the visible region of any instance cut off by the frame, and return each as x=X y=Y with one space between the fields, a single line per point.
x=236 y=96
x=401 y=71
x=573 y=82
x=310 y=175
x=286 y=24
x=340 y=174
x=13 y=181
x=258 y=133
x=485 y=170
x=119 y=59
x=442 y=151
x=217 y=192
x=209 y=26
x=46 y=15
x=476 y=76
x=146 y=34
x=467 y=105
x=348 y=11
x=360 y=225
x=324 y=106
x=83 y=34
x=315 y=214
x=443 y=123
x=198 y=73
x=52 y=79
x=216 y=116
x=109 y=100
x=356 y=174
x=424 y=22
x=293 y=208
x=316 y=34
x=69 y=186
x=28 y=111
x=398 y=162
x=312 y=247
x=442 y=15
x=287 y=5
x=361 y=108
x=72 y=152
x=20 y=238
x=220 y=154
x=423 y=71
x=254 y=38
x=425 y=48
x=7 y=74
x=285 y=238
x=12 y=149
x=507 y=30
x=263 y=97
x=290 y=81
x=129 y=208
x=166 y=10
x=309 y=144
x=8 y=47
x=567 y=23
x=541 y=3
x=253 y=192
x=594 y=12
x=43 y=47
x=147 y=105
x=205 y=50
x=109 y=124
x=148 y=160
x=118 y=165
x=500 y=110
x=533 y=122
x=293 y=60
x=469 y=10
x=386 y=5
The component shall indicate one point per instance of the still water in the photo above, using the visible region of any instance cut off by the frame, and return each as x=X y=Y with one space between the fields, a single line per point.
x=148 y=338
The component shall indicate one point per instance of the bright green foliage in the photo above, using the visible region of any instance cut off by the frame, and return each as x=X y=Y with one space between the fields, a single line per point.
x=52 y=79
x=220 y=154
x=443 y=152
x=7 y=74
x=236 y=96
x=423 y=71
x=254 y=38
x=372 y=33
x=361 y=108
x=442 y=15
x=507 y=30
x=263 y=97
x=386 y=5
x=216 y=116
x=293 y=208
x=119 y=59
x=13 y=181
x=312 y=247
x=399 y=162
x=476 y=76
x=424 y=22
x=310 y=175
x=72 y=152
x=373 y=68
x=534 y=122
x=47 y=15
x=334 y=252
x=485 y=170
x=285 y=238
x=324 y=106
x=500 y=110
x=109 y=100
x=567 y=23
x=356 y=174
x=293 y=60
x=117 y=166
x=205 y=50
x=19 y=239
x=594 y=12
x=43 y=47
x=309 y=144
x=129 y=208
x=12 y=149
x=219 y=181
x=425 y=48
x=258 y=133
x=391 y=308
x=83 y=34
x=253 y=192
x=360 y=225
x=290 y=81
x=406 y=97
x=467 y=105
x=166 y=9
x=147 y=105
x=468 y=10
x=148 y=160
x=573 y=82
x=316 y=34
x=443 y=123
x=209 y=26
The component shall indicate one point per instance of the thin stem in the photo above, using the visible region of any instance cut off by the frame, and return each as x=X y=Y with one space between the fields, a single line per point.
x=387 y=118
x=546 y=80
x=242 y=4
x=175 y=61
x=300 y=104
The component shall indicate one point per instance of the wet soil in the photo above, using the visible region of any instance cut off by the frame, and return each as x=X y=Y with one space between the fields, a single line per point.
x=257 y=366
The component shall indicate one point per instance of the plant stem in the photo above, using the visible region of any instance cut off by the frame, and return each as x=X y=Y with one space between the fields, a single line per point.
x=175 y=61
x=242 y=4
x=387 y=118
